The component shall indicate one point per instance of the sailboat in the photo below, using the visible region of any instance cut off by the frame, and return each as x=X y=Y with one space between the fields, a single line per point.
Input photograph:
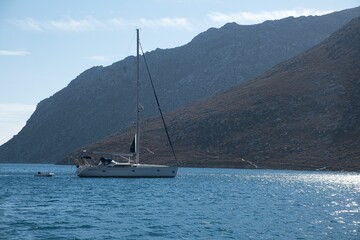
x=132 y=168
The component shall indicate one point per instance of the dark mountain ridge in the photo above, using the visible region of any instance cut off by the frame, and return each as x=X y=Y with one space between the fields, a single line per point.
x=100 y=101
x=302 y=114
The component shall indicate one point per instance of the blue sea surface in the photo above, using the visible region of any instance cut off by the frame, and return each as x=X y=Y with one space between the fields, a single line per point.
x=197 y=204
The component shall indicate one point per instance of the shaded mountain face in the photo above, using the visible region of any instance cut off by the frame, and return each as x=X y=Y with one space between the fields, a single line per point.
x=302 y=114
x=100 y=101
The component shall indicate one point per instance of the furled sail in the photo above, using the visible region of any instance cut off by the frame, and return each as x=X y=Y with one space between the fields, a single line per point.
x=132 y=147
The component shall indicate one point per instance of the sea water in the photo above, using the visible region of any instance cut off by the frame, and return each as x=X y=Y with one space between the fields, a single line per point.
x=197 y=204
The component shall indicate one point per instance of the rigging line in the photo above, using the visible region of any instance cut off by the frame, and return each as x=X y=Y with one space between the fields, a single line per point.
x=157 y=101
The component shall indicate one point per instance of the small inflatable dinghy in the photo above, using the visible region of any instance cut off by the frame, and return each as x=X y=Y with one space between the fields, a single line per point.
x=44 y=174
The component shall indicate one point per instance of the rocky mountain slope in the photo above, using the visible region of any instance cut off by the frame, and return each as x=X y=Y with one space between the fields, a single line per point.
x=302 y=114
x=100 y=101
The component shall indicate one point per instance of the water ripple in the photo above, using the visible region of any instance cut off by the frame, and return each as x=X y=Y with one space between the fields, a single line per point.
x=197 y=204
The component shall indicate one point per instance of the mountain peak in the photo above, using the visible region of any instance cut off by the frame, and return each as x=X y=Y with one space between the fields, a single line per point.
x=100 y=101
x=302 y=114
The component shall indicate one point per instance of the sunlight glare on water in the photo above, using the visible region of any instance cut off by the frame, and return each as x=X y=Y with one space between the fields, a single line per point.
x=197 y=204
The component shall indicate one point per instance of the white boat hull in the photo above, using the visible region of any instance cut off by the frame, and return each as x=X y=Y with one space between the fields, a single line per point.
x=131 y=171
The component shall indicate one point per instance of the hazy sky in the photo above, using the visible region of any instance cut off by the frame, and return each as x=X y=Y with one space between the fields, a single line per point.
x=44 y=44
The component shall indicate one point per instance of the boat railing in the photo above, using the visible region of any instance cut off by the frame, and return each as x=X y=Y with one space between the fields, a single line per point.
x=128 y=157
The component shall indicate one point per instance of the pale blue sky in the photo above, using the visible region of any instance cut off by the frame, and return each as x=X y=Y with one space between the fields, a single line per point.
x=46 y=44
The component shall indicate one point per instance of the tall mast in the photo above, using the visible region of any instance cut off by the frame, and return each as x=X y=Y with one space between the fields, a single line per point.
x=137 y=150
